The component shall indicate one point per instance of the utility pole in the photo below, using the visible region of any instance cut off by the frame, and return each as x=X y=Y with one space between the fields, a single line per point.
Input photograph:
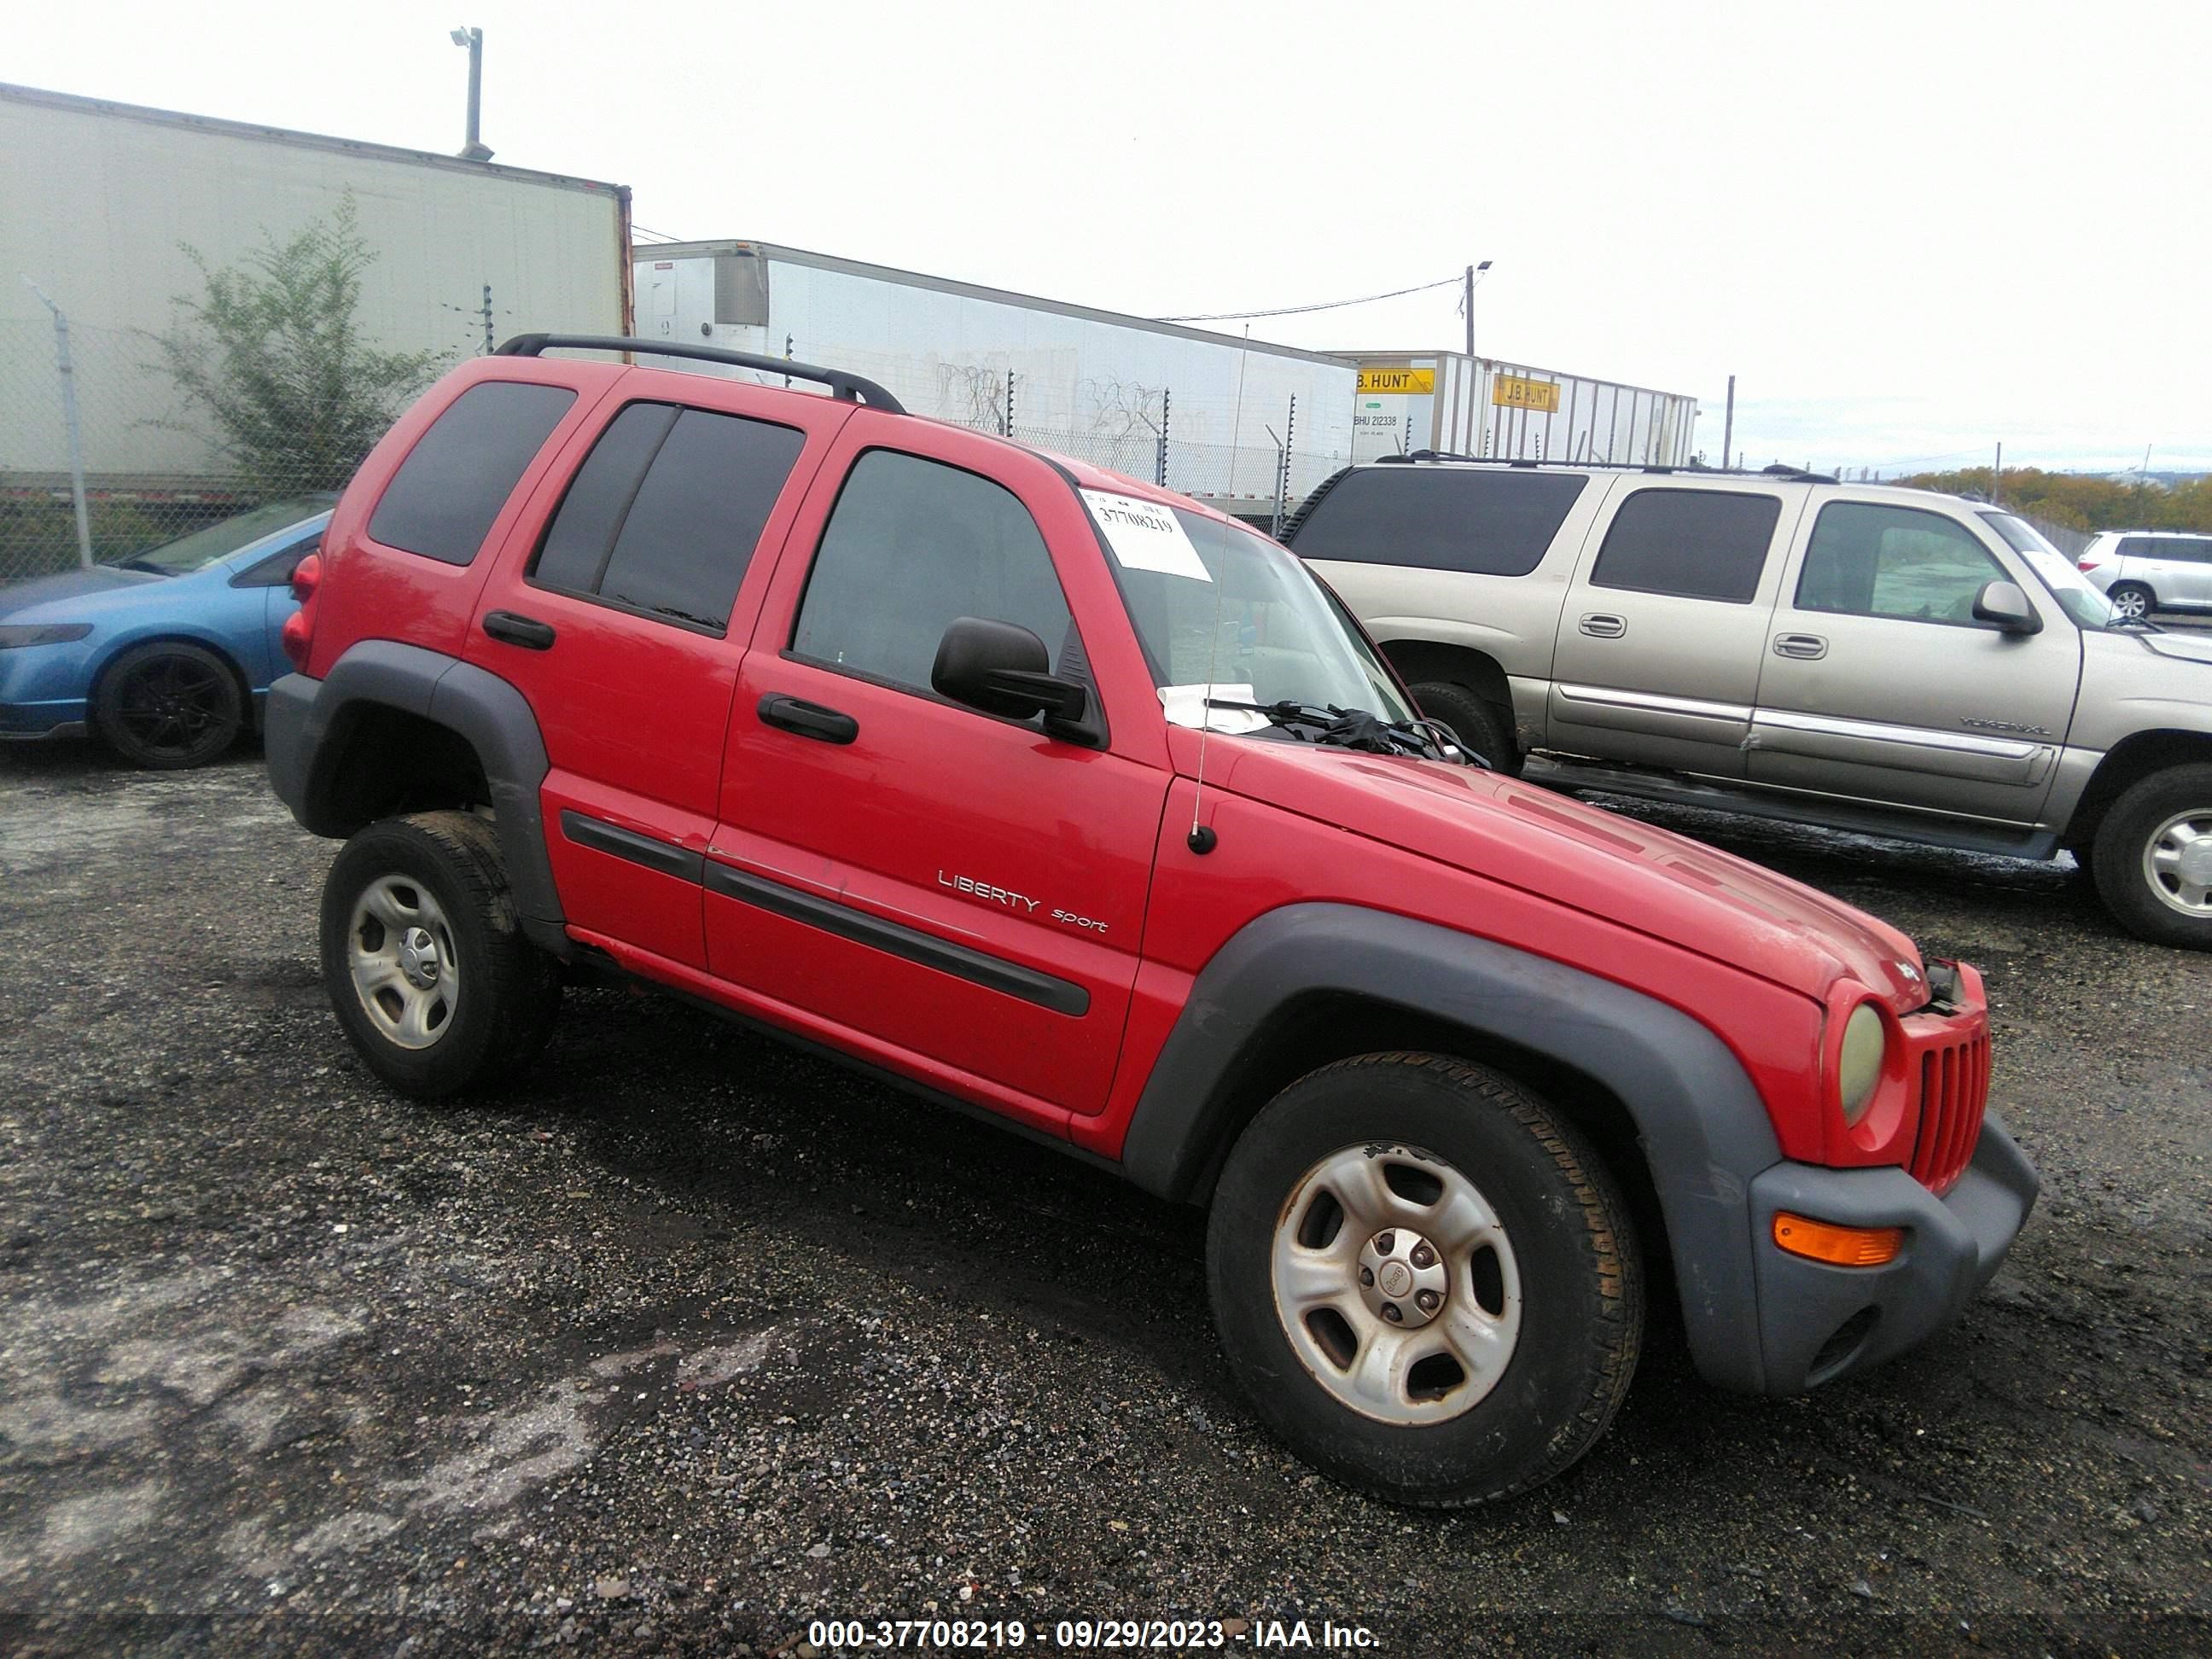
x=475 y=149
x=491 y=345
x=1167 y=400
x=1997 y=478
x=70 y=420
x=1010 y=402
x=1466 y=300
x=1727 y=427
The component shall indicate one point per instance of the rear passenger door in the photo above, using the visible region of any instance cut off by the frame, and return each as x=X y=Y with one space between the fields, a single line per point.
x=1661 y=640
x=619 y=608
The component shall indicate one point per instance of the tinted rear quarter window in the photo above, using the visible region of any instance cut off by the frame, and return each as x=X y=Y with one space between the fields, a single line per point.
x=443 y=499
x=1696 y=544
x=1487 y=522
x=664 y=513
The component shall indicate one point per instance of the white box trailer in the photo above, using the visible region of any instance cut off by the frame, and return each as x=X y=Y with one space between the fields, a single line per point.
x=102 y=198
x=1462 y=405
x=1095 y=383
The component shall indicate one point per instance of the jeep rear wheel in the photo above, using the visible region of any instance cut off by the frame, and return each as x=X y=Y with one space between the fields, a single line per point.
x=422 y=959
x=2152 y=859
x=1484 y=726
x=1424 y=1279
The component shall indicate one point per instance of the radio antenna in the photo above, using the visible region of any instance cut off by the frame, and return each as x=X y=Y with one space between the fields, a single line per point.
x=1202 y=838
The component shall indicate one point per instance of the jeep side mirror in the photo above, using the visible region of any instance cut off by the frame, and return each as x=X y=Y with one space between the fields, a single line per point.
x=1001 y=668
x=2004 y=604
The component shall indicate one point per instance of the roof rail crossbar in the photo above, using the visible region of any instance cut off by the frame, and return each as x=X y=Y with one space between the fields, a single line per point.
x=851 y=386
x=1795 y=475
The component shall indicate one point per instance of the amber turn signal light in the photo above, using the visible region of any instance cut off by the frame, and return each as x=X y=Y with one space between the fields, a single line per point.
x=1842 y=1247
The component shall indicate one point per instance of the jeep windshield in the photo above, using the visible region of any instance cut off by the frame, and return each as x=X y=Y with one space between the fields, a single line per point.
x=2076 y=597
x=1228 y=617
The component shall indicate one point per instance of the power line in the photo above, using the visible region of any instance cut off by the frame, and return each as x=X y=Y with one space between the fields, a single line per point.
x=646 y=230
x=1292 y=311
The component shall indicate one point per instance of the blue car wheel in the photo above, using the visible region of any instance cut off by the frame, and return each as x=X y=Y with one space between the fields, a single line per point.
x=169 y=705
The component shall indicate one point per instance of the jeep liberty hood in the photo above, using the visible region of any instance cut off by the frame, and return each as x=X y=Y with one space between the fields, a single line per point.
x=1638 y=876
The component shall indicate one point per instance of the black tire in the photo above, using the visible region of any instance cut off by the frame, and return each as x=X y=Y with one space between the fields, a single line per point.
x=2124 y=841
x=1580 y=1310
x=2132 y=591
x=169 y=705
x=1483 y=726
x=508 y=991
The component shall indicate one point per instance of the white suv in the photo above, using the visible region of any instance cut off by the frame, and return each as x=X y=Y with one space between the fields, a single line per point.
x=2145 y=570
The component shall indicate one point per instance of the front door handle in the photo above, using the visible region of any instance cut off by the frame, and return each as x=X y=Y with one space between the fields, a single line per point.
x=1804 y=647
x=1604 y=625
x=808 y=720
x=525 y=631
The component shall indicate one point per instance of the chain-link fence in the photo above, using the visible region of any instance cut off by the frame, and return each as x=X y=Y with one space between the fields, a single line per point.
x=146 y=477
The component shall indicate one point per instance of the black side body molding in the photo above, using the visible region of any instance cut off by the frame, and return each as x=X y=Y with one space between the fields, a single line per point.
x=959 y=960
x=1704 y=1130
x=647 y=850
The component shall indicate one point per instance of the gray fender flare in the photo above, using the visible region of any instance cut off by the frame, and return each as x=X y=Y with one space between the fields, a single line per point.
x=491 y=714
x=1704 y=1130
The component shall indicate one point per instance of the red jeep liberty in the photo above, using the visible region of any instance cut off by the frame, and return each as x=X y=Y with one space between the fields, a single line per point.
x=1046 y=793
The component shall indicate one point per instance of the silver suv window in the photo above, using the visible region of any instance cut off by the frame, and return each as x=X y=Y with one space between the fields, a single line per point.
x=1491 y=523
x=1869 y=559
x=1694 y=544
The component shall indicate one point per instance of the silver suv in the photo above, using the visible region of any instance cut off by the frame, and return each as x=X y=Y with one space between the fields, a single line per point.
x=2140 y=571
x=1872 y=659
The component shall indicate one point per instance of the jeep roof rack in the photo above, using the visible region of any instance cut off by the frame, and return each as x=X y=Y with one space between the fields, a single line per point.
x=851 y=387
x=1798 y=475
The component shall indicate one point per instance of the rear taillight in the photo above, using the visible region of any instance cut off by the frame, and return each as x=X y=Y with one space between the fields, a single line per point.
x=298 y=634
x=2089 y=561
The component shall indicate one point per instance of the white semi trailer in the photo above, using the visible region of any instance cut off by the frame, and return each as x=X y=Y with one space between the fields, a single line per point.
x=102 y=198
x=1460 y=405
x=1215 y=411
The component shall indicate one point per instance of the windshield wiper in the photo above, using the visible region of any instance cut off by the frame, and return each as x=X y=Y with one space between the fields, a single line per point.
x=2134 y=625
x=1357 y=729
x=133 y=562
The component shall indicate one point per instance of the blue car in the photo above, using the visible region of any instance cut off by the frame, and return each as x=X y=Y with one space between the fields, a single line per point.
x=165 y=654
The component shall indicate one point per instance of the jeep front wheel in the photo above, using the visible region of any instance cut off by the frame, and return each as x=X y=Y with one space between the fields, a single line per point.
x=1424 y=1279
x=2152 y=858
x=425 y=966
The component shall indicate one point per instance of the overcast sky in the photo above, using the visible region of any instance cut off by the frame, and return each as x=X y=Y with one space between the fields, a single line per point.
x=1910 y=231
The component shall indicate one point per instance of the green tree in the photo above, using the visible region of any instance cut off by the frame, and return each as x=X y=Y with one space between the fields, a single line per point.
x=270 y=353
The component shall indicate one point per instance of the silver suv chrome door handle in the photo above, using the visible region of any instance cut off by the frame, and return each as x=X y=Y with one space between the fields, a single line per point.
x=1805 y=645
x=1604 y=625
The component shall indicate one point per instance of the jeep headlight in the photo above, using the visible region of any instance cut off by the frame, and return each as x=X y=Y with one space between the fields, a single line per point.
x=1859 y=1065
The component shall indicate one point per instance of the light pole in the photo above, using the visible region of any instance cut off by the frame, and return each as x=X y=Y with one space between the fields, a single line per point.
x=1466 y=300
x=475 y=149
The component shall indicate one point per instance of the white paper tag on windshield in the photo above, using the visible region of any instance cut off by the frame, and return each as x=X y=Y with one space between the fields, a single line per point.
x=1186 y=706
x=1145 y=535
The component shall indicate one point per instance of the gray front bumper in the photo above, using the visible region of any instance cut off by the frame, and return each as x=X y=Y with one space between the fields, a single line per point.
x=1818 y=1322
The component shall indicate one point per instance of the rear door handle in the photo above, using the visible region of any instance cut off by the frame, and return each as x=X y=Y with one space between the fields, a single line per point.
x=1604 y=625
x=525 y=631
x=1805 y=647
x=808 y=720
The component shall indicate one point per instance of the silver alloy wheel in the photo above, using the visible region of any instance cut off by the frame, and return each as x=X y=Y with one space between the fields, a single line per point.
x=2131 y=601
x=405 y=971
x=2177 y=861
x=1396 y=1284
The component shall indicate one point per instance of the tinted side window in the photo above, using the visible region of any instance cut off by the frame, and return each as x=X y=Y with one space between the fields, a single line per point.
x=1491 y=523
x=460 y=472
x=2140 y=547
x=1698 y=543
x=1865 y=560
x=2191 y=549
x=664 y=513
x=910 y=546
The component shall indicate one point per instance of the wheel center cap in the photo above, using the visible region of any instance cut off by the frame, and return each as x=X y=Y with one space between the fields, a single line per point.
x=418 y=958
x=1401 y=1278
x=2196 y=862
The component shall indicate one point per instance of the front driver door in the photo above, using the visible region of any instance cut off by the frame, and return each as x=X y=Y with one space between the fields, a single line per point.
x=957 y=896
x=1879 y=685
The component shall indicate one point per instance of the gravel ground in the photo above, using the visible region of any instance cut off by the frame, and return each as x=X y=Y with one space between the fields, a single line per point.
x=690 y=1339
